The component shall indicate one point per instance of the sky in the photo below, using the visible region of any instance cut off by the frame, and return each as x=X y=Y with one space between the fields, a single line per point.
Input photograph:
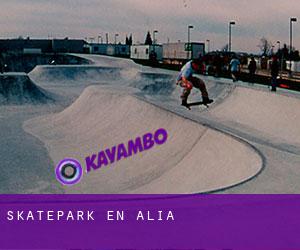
x=92 y=18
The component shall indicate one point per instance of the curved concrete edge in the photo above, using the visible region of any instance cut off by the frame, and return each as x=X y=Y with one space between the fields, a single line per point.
x=212 y=127
x=19 y=89
x=74 y=73
x=259 y=172
x=156 y=171
x=210 y=164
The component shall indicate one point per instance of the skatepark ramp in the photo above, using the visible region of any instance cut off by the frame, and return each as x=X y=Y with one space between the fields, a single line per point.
x=154 y=83
x=271 y=115
x=149 y=80
x=74 y=74
x=150 y=83
x=194 y=159
x=17 y=88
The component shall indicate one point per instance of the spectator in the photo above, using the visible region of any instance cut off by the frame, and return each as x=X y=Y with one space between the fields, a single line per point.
x=218 y=65
x=274 y=73
x=235 y=68
x=252 y=69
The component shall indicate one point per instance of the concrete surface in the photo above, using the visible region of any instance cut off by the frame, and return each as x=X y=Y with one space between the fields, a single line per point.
x=247 y=142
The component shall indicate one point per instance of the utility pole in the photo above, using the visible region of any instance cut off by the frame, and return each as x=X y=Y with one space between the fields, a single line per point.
x=281 y=57
x=208 y=45
x=189 y=40
x=292 y=19
x=116 y=35
x=229 y=44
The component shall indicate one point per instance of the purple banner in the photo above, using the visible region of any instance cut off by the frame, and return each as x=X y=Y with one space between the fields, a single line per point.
x=150 y=222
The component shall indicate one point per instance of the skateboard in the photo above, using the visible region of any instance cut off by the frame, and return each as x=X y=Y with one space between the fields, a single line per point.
x=189 y=105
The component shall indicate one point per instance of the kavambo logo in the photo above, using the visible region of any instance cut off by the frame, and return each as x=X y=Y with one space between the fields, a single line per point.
x=69 y=171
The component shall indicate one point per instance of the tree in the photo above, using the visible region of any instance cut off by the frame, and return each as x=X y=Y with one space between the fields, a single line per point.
x=265 y=46
x=148 y=40
x=130 y=40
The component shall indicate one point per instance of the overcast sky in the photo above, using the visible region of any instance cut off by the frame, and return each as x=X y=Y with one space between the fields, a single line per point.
x=90 y=18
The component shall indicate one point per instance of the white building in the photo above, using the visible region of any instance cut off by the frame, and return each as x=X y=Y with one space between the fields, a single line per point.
x=122 y=50
x=182 y=51
x=146 y=52
x=295 y=66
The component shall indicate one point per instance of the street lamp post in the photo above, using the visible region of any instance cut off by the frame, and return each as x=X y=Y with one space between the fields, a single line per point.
x=154 y=40
x=208 y=45
x=106 y=35
x=116 y=35
x=229 y=43
x=292 y=19
x=281 y=57
x=189 y=40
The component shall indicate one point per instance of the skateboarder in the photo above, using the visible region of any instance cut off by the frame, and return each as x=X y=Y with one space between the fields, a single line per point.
x=187 y=81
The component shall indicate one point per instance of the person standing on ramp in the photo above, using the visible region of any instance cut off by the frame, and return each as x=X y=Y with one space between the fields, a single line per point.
x=235 y=67
x=187 y=81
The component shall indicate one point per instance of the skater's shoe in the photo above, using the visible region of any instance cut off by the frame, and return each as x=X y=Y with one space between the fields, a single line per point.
x=184 y=103
x=206 y=100
x=273 y=89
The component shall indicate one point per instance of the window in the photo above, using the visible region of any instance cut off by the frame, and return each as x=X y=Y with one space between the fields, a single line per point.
x=96 y=49
x=147 y=51
x=135 y=51
x=123 y=49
